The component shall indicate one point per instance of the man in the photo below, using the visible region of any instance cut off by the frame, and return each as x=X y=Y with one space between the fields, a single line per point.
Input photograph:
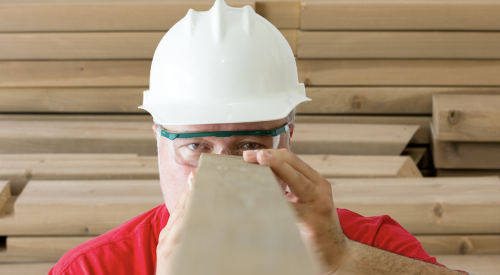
x=225 y=82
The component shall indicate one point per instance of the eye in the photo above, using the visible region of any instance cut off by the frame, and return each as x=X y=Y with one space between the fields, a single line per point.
x=250 y=146
x=196 y=146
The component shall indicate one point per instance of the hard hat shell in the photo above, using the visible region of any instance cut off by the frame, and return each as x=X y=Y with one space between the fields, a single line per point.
x=225 y=65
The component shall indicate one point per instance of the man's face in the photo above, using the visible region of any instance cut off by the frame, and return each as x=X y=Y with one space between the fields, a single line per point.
x=173 y=175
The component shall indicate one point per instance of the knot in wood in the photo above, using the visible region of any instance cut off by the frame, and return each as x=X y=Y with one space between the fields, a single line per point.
x=438 y=210
x=453 y=117
x=356 y=103
x=465 y=246
x=307 y=82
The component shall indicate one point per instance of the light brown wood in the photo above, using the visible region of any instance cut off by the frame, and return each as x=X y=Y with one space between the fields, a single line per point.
x=465 y=155
x=466 y=173
x=72 y=100
x=26 y=268
x=416 y=153
x=467 y=117
x=399 y=72
x=474 y=264
x=78 y=207
x=239 y=205
x=338 y=166
x=151 y=15
x=460 y=244
x=422 y=136
x=351 y=139
x=282 y=14
x=77 y=117
x=400 y=15
x=426 y=205
x=40 y=249
x=291 y=37
x=379 y=100
x=399 y=45
x=4 y=193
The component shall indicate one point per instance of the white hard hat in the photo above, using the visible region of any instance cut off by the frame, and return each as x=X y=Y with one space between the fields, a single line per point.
x=225 y=65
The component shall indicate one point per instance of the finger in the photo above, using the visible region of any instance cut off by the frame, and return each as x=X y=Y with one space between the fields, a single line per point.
x=297 y=164
x=301 y=186
x=250 y=156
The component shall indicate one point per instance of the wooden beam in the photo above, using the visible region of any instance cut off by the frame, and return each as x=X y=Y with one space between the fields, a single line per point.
x=283 y=15
x=239 y=205
x=77 y=117
x=26 y=268
x=399 y=72
x=474 y=264
x=397 y=15
x=337 y=166
x=415 y=153
x=78 y=16
x=379 y=100
x=351 y=139
x=426 y=205
x=466 y=173
x=422 y=136
x=78 y=207
x=464 y=155
x=467 y=117
x=399 y=45
x=4 y=193
x=93 y=45
x=460 y=244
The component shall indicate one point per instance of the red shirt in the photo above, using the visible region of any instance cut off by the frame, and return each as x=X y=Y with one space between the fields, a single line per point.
x=131 y=247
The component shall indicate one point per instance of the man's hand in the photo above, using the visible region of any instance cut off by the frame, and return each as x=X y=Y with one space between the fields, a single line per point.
x=311 y=196
x=170 y=235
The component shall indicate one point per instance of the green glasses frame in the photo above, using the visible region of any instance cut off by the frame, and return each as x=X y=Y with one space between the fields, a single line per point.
x=275 y=132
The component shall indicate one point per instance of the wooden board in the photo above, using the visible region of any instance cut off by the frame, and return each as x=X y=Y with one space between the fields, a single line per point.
x=151 y=15
x=282 y=14
x=77 y=117
x=238 y=207
x=400 y=15
x=4 y=193
x=351 y=139
x=26 y=268
x=337 y=166
x=465 y=155
x=399 y=45
x=468 y=117
x=474 y=264
x=88 y=45
x=78 y=207
x=466 y=173
x=72 y=100
x=426 y=205
x=415 y=153
x=422 y=136
x=460 y=244
x=379 y=100
x=399 y=72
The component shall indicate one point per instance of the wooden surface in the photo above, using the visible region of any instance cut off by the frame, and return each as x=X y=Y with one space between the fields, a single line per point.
x=57 y=15
x=238 y=208
x=466 y=173
x=78 y=207
x=426 y=205
x=351 y=139
x=26 y=268
x=465 y=155
x=4 y=193
x=283 y=15
x=415 y=153
x=379 y=100
x=400 y=15
x=337 y=166
x=460 y=244
x=474 y=264
x=88 y=45
x=429 y=45
x=399 y=72
x=422 y=136
x=469 y=117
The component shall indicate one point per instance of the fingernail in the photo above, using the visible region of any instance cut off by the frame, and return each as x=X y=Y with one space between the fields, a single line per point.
x=190 y=181
x=250 y=153
x=265 y=154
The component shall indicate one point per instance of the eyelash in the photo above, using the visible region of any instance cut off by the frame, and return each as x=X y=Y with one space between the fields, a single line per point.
x=257 y=145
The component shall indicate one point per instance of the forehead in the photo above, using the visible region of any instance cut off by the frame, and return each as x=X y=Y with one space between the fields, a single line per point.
x=263 y=125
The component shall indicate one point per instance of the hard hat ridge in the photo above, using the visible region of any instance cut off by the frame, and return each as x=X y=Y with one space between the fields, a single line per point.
x=190 y=21
x=249 y=17
x=217 y=16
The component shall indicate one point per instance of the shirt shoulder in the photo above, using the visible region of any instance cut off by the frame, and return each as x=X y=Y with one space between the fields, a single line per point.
x=128 y=249
x=384 y=233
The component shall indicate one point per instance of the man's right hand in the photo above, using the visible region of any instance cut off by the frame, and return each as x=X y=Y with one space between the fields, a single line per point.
x=170 y=235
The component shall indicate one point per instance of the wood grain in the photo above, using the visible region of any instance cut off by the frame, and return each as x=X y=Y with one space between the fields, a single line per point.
x=283 y=15
x=4 y=193
x=422 y=136
x=399 y=72
x=474 y=264
x=236 y=206
x=426 y=205
x=379 y=100
x=465 y=155
x=351 y=139
x=466 y=173
x=460 y=244
x=415 y=153
x=78 y=16
x=337 y=166
x=398 y=45
x=400 y=15
x=78 y=207
x=467 y=117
